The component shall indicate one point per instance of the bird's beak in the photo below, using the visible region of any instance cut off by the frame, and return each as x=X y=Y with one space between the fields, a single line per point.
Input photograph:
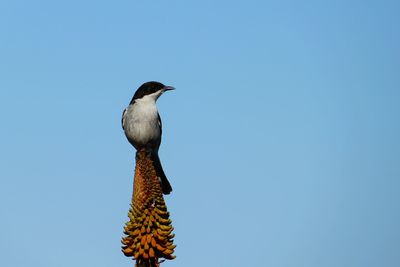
x=168 y=88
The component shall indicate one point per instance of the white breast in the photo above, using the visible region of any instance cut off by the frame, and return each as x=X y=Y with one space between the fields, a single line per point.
x=141 y=122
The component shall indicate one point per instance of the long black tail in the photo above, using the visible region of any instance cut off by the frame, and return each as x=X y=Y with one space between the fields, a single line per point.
x=165 y=185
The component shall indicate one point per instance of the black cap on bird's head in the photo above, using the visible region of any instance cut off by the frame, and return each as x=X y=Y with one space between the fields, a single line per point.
x=149 y=88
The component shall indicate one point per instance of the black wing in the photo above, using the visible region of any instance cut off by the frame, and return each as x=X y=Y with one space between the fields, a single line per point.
x=159 y=123
x=122 y=119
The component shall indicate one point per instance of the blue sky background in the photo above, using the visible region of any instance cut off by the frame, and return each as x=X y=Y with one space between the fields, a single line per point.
x=281 y=140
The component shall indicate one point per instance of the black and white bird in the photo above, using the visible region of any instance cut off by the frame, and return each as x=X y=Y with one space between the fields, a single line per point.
x=142 y=124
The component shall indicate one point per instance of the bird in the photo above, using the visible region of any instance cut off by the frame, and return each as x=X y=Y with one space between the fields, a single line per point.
x=142 y=125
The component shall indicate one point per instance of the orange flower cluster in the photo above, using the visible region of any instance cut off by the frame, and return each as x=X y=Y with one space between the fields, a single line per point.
x=149 y=230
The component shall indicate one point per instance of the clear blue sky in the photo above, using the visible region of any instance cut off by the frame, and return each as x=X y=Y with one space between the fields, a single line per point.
x=281 y=140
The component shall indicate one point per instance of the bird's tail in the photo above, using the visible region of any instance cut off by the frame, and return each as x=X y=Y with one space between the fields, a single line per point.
x=165 y=185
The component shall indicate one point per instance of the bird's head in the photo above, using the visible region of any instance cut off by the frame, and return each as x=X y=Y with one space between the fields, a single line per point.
x=150 y=91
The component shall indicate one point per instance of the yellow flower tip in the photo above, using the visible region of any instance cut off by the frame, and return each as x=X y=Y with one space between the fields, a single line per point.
x=148 y=231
